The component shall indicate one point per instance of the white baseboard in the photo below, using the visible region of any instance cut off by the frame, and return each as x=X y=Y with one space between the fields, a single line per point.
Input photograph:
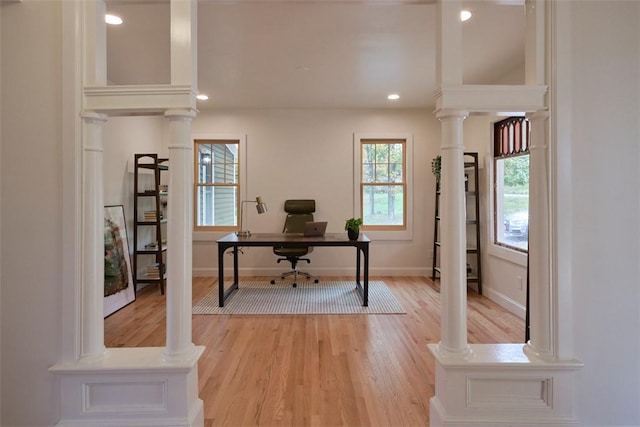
x=505 y=302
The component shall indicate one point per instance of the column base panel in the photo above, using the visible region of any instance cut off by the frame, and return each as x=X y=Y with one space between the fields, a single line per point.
x=136 y=387
x=499 y=384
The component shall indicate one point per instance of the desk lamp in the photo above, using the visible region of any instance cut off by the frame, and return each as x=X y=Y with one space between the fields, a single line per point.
x=261 y=207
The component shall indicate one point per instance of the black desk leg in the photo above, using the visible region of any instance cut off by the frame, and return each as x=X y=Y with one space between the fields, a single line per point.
x=365 y=251
x=235 y=267
x=222 y=293
x=357 y=265
x=221 y=276
x=363 y=288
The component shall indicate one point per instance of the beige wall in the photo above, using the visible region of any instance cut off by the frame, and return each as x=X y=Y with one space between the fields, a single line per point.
x=30 y=175
x=291 y=154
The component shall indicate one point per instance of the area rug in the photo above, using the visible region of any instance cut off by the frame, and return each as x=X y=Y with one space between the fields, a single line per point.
x=330 y=297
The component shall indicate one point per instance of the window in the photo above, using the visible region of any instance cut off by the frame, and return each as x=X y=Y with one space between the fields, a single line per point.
x=217 y=184
x=383 y=185
x=511 y=183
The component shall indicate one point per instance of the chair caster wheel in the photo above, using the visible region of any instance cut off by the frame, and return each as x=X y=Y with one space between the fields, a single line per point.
x=273 y=282
x=295 y=285
x=315 y=281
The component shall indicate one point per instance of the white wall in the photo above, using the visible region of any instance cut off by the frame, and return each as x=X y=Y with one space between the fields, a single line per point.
x=30 y=175
x=0 y=203
x=308 y=153
x=601 y=166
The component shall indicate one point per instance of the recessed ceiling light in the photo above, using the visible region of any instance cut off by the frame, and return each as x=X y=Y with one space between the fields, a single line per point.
x=112 y=19
x=465 y=15
x=393 y=96
x=202 y=97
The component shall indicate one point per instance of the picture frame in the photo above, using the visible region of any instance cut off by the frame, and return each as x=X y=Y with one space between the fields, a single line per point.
x=118 y=276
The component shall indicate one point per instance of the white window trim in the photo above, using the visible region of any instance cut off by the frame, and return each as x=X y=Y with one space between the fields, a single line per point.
x=498 y=251
x=357 y=167
x=212 y=236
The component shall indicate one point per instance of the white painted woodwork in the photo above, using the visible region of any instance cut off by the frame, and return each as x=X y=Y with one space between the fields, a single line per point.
x=539 y=242
x=534 y=43
x=179 y=234
x=491 y=99
x=502 y=385
x=131 y=387
x=135 y=386
x=92 y=341
x=94 y=42
x=453 y=241
x=145 y=99
x=184 y=48
x=72 y=155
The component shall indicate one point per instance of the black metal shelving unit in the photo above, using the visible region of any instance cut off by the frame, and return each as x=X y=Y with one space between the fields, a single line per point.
x=472 y=192
x=148 y=213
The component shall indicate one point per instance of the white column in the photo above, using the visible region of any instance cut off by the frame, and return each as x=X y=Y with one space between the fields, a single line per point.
x=179 y=234
x=184 y=40
x=453 y=281
x=92 y=342
x=539 y=245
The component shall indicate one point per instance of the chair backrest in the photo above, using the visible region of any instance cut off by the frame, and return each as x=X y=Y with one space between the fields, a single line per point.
x=299 y=212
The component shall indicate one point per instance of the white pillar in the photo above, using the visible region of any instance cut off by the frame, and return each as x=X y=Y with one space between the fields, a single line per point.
x=540 y=341
x=92 y=342
x=179 y=234
x=453 y=255
x=184 y=42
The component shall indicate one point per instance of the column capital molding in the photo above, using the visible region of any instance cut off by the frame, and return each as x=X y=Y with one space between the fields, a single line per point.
x=442 y=114
x=538 y=115
x=93 y=117
x=181 y=114
x=490 y=98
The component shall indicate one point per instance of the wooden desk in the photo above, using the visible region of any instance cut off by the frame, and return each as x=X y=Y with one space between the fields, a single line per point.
x=292 y=241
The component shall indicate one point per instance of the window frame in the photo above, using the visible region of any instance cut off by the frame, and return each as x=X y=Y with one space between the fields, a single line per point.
x=500 y=151
x=204 y=232
x=385 y=232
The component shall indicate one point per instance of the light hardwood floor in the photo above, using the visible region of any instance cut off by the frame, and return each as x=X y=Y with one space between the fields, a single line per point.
x=316 y=370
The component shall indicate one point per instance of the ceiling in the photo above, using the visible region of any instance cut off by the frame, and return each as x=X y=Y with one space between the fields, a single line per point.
x=315 y=54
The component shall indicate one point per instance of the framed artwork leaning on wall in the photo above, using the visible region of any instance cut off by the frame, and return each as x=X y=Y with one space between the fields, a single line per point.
x=118 y=277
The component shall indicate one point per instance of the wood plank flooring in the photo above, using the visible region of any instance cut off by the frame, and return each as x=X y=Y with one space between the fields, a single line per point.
x=316 y=370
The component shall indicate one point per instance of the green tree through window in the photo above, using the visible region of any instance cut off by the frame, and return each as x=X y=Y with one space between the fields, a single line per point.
x=383 y=185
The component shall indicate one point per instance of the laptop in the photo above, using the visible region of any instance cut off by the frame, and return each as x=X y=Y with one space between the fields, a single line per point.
x=314 y=229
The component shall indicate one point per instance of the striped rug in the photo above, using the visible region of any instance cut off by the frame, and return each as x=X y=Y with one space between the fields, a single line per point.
x=328 y=297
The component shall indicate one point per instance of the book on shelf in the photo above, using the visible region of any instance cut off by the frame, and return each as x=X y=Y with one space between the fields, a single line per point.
x=150 y=215
x=154 y=245
x=153 y=270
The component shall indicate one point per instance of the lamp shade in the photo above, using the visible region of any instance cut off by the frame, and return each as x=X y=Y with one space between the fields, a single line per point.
x=261 y=207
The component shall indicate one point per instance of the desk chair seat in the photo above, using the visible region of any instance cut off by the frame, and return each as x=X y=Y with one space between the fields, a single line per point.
x=299 y=212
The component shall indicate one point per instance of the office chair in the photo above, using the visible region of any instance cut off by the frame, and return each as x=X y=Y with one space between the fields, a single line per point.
x=298 y=213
